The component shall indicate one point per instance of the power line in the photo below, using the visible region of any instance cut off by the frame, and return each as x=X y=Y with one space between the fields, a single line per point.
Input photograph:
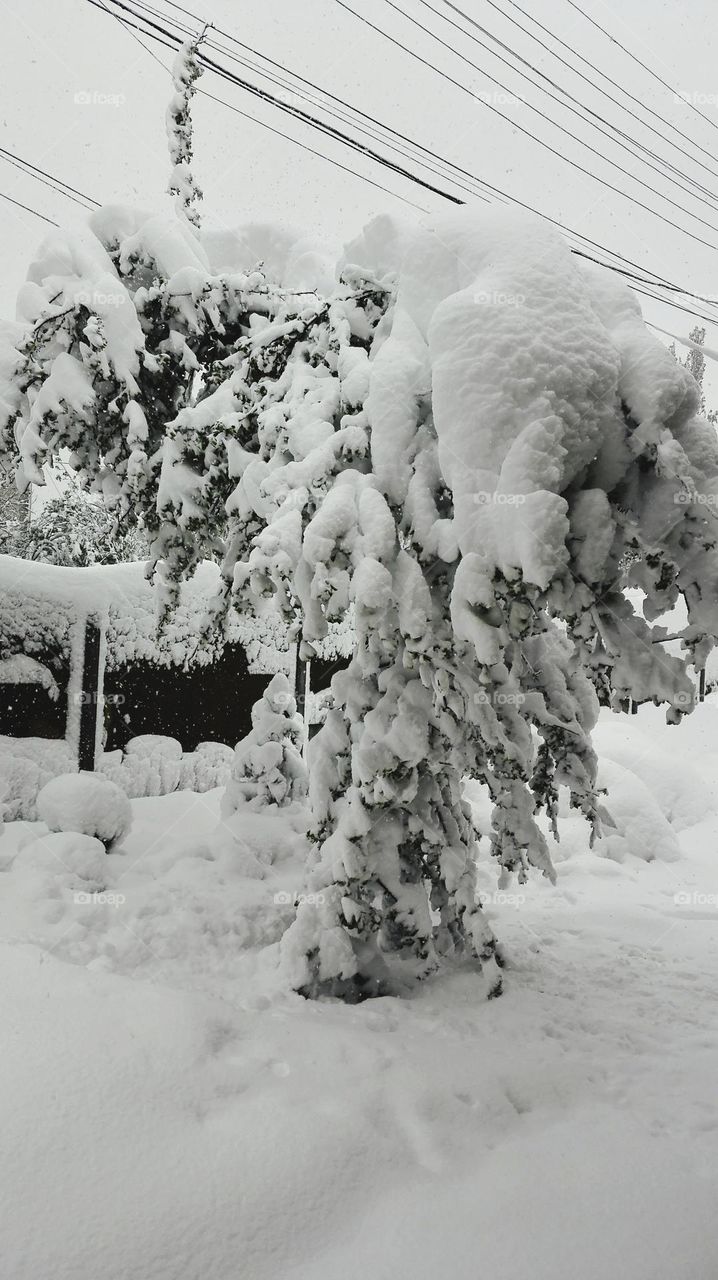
x=541 y=142
x=388 y=129
x=604 y=76
x=263 y=124
x=55 y=184
x=305 y=116
x=28 y=209
x=622 y=139
x=419 y=147
x=636 y=278
x=655 y=74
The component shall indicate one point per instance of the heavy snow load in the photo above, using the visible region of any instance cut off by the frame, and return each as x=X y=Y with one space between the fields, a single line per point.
x=467 y=443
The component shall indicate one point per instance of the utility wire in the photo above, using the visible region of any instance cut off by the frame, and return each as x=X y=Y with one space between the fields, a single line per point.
x=613 y=83
x=28 y=209
x=635 y=277
x=458 y=169
x=541 y=142
x=622 y=139
x=55 y=184
x=297 y=112
x=645 y=67
x=263 y=124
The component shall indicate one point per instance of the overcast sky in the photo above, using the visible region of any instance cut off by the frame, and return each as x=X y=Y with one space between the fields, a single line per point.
x=83 y=101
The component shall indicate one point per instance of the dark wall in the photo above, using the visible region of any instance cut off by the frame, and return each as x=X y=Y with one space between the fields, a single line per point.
x=322 y=671
x=27 y=711
x=209 y=703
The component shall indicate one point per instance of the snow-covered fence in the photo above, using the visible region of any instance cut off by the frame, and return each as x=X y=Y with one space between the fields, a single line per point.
x=82 y=634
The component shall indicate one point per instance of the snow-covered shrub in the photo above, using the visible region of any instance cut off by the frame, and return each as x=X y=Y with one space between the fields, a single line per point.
x=268 y=766
x=157 y=759
x=26 y=765
x=52 y=755
x=88 y=803
x=20 y=781
x=209 y=766
x=154 y=765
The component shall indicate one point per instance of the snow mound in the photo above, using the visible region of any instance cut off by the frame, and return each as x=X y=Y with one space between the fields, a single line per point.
x=78 y=860
x=88 y=803
x=640 y=827
x=683 y=795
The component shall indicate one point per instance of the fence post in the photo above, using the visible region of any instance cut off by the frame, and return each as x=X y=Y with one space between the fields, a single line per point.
x=702 y=685
x=90 y=697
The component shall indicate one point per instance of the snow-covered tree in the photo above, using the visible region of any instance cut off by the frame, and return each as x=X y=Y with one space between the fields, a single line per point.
x=695 y=361
x=182 y=185
x=471 y=441
x=71 y=529
x=268 y=766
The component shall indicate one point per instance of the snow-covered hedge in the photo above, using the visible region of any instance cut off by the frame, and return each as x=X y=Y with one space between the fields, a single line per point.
x=151 y=765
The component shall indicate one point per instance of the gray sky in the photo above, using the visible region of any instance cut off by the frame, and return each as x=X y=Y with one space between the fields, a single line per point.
x=57 y=54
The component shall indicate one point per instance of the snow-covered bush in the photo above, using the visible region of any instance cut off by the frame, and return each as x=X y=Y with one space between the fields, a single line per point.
x=20 y=781
x=87 y=803
x=26 y=765
x=209 y=766
x=153 y=765
x=158 y=759
x=268 y=766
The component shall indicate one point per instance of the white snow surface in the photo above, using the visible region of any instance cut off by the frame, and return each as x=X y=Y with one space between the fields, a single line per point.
x=171 y=1111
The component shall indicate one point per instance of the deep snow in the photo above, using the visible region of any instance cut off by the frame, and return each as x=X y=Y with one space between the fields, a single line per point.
x=171 y=1112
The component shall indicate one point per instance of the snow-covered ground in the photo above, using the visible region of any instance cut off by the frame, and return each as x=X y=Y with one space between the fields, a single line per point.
x=171 y=1112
